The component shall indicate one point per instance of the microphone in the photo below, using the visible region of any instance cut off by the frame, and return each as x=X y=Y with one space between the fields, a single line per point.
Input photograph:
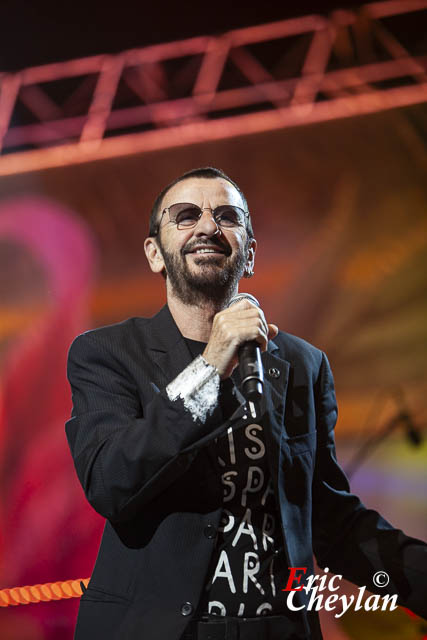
x=250 y=365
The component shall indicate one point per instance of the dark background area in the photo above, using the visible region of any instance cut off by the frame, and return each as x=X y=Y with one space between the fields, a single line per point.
x=34 y=33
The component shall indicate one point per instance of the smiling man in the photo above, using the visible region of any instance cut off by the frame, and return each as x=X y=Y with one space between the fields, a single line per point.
x=214 y=247
x=211 y=508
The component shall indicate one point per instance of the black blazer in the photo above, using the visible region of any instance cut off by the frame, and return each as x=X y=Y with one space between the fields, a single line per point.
x=142 y=462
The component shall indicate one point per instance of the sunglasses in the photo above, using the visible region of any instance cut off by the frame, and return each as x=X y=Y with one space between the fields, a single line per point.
x=186 y=215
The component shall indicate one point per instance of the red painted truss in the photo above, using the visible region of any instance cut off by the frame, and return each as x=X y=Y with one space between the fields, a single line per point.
x=260 y=78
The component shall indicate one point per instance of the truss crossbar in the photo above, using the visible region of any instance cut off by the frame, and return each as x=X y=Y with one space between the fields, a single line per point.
x=208 y=88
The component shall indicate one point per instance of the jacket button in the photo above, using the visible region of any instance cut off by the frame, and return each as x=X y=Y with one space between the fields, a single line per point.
x=273 y=372
x=210 y=531
x=186 y=609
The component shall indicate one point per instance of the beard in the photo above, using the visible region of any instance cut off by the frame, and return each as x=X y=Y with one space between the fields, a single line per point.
x=215 y=280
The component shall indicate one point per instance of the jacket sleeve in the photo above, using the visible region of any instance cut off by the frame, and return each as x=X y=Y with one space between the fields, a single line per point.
x=350 y=539
x=124 y=453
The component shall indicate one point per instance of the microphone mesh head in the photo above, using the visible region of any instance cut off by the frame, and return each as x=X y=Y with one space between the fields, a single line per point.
x=243 y=296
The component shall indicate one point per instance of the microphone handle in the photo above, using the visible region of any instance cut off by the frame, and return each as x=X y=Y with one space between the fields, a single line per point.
x=251 y=371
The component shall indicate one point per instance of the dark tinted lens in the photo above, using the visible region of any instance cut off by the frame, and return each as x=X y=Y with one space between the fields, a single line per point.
x=229 y=216
x=184 y=214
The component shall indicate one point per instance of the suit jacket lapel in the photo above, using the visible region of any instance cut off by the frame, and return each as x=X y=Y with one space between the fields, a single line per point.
x=166 y=345
x=276 y=375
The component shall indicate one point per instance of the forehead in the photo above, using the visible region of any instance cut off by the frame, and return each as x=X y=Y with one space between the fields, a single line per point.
x=199 y=190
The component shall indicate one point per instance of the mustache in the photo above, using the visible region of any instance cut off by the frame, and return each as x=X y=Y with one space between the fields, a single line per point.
x=209 y=245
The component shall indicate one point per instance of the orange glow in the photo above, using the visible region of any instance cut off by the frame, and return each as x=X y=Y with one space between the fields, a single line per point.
x=42 y=592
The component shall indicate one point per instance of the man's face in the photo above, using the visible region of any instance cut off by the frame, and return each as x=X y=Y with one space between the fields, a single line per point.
x=193 y=276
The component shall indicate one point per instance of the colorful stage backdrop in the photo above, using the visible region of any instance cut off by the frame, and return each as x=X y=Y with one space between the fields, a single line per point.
x=340 y=215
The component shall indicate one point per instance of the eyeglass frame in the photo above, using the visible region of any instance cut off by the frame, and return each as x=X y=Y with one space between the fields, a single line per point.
x=201 y=213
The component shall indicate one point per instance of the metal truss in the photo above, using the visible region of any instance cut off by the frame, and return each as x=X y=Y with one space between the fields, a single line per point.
x=261 y=78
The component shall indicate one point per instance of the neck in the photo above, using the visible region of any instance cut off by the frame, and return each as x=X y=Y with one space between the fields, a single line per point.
x=194 y=321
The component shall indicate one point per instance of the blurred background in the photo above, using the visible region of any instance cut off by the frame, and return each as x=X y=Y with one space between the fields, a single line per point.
x=320 y=115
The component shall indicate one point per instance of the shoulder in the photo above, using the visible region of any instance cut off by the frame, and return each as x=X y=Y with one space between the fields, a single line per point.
x=117 y=336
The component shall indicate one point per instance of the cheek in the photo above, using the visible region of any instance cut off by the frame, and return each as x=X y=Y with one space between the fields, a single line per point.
x=173 y=245
x=181 y=241
x=240 y=245
x=236 y=240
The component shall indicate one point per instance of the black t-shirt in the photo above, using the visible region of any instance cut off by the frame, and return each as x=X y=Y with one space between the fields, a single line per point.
x=248 y=565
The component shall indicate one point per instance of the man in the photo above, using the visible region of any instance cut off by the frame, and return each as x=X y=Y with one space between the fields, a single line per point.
x=207 y=507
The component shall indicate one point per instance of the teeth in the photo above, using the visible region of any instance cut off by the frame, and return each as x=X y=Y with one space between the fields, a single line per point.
x=206 y=251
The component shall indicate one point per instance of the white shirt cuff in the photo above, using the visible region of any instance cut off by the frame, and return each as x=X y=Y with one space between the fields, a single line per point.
x=198 y=387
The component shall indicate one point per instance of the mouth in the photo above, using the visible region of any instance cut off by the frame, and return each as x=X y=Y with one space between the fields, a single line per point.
x=207 y=252
x=200 y=251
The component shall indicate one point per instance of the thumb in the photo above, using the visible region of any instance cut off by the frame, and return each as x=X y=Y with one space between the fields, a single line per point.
x=273 y=330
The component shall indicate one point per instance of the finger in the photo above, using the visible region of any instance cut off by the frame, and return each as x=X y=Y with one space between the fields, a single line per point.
x=244 y=303
x=248 y=315
x=264 y=321
x=262 y=339
x=273 y=330
x=249 y=310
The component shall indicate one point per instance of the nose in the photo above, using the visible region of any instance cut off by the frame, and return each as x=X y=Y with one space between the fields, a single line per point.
x=206 y=226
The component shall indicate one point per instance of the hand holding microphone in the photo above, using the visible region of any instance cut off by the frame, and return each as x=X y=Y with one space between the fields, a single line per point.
x=239 y=334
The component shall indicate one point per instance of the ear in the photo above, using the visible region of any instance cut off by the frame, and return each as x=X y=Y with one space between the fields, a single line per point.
x=249 y=269
x=154 y=255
